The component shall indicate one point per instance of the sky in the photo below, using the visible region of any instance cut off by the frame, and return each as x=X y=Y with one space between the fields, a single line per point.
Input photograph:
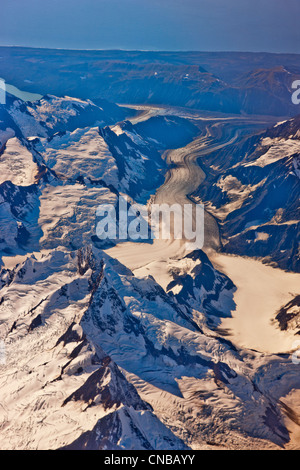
x=202 y=25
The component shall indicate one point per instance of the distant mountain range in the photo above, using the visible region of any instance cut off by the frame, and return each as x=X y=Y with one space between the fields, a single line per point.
x=224 y=82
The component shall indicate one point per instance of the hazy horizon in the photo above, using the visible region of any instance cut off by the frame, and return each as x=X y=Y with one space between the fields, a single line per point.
x=169 y=51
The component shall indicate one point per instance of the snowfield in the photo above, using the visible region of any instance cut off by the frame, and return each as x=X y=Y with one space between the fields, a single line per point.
x=253 y=325
x=17 y=164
